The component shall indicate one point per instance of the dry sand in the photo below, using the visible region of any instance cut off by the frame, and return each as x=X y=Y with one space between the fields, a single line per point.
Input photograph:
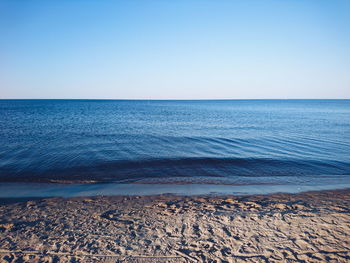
x=308 y=227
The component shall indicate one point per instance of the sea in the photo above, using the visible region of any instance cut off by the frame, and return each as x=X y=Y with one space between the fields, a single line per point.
x=139 y=147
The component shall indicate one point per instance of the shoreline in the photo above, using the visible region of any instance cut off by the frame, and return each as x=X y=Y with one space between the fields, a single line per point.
x=46 y=190
x=342 y=190
x=311 y=226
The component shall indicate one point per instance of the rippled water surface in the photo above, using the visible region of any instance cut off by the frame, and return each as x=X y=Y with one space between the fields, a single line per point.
x=234 y=142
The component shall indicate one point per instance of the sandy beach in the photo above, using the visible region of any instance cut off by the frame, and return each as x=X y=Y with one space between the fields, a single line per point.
x=306 y=227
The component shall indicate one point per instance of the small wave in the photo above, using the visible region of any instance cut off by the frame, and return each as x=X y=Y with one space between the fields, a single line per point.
x=133 y=170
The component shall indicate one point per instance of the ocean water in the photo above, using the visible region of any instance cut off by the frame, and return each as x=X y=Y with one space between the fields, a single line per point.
x=230 y=144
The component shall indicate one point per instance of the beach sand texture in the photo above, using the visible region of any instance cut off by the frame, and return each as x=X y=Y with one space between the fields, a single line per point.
x=307 y=227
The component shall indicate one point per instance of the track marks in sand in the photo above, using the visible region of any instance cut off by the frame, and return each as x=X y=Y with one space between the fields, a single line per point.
x=175 y=229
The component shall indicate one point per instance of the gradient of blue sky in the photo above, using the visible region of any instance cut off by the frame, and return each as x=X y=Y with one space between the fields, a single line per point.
x=179 y=49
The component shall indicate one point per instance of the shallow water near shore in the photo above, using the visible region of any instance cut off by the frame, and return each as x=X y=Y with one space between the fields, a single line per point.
x=19 y=190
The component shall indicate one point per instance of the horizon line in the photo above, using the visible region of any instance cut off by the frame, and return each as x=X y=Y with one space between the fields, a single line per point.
x=176 y=99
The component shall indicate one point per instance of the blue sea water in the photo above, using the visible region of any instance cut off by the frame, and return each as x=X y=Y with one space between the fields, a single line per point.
x=210 y=144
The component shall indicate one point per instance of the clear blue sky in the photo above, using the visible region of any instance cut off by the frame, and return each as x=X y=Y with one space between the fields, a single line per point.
x=178 y=49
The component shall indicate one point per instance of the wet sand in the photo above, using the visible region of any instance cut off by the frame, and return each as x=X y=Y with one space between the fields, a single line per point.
x=306 y=227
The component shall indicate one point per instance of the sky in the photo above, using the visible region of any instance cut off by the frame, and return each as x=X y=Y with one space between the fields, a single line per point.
x=178 y=49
